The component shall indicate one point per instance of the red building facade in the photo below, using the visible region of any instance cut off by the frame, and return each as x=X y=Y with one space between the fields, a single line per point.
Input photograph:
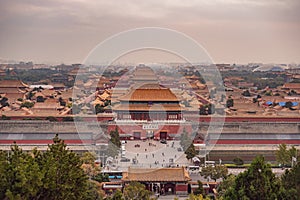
x=150 y=111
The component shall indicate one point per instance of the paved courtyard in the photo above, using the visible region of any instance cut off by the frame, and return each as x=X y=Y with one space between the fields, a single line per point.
x=152 y=154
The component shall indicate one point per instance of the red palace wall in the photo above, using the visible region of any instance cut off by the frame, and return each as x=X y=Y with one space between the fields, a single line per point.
x=172 y=130
x=204 y=118
x=181 y=188
x=262 y=141
x=44 y=142
x=60 y=118
x=193 y=118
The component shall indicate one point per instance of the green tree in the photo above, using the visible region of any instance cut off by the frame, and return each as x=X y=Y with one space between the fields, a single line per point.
x=293 y=152
x=117 y=196
x=4 y=117
x=207 y=109
x=269 y=93
x=27 y=104
x=202 y=110
x=89 y=166
x=107 y=102
x=226 y=185
x=238 y=161
x=99 y=109
x=246 y=93
x=115 y=137
x=190 y=152
x=257 y=182
x=291 y=182
x=197 y=197
x=40 y=99
x=289 y=104
x=101 y=178
x=51 y=119
x=55 y=174
x=64 y=177
x=114 y=143
x=22 y=176
x=3 y=174
x=229 y=103
x=284 y=155
x=4 y=102
x=68 y=119
x=61 y=101
x=214 y=172
x=136 y=191
x=29 y=95
x=88 y=157
x=94 y=191
x=199 y=189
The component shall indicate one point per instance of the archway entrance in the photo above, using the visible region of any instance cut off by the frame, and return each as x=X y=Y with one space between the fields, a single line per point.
x=169 y=188
x=163 y=135
x=189 y=189
x=137 y=135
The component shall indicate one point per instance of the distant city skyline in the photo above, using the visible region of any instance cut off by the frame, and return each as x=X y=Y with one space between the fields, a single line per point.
x=232 y=31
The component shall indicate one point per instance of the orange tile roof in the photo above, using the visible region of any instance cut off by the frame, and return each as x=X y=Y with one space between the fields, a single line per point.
x=161 y=94
x=105 y=95
x=12 y=97
x=157 y=175
x=291 y=86
x=10 y=90
x=144 y=78
x=48 y=92
x=192 y=77
x=98 y=101
x=273 y=98
x=46 y=105
x=146 y=107
x=151 y=86
x=39 y=94
x=66 y=94
x=12 y=84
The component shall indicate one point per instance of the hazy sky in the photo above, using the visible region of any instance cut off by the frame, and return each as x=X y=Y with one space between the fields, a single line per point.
x=234 y=31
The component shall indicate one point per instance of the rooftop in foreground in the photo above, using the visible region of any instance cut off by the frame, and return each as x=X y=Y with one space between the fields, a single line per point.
x=156 y=175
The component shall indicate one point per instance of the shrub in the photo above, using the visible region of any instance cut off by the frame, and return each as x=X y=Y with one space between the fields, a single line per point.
x=4 y=117
x=238 y=161
x=68 y=119
x=51 y=119
x=27 y=104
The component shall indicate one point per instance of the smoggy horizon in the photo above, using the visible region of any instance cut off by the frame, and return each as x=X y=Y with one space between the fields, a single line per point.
x=230 y=31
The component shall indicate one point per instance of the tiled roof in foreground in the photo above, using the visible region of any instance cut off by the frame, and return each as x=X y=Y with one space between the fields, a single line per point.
x=157 y=175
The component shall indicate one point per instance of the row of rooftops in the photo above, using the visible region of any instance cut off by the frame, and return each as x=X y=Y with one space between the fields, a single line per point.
x=147 y=93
